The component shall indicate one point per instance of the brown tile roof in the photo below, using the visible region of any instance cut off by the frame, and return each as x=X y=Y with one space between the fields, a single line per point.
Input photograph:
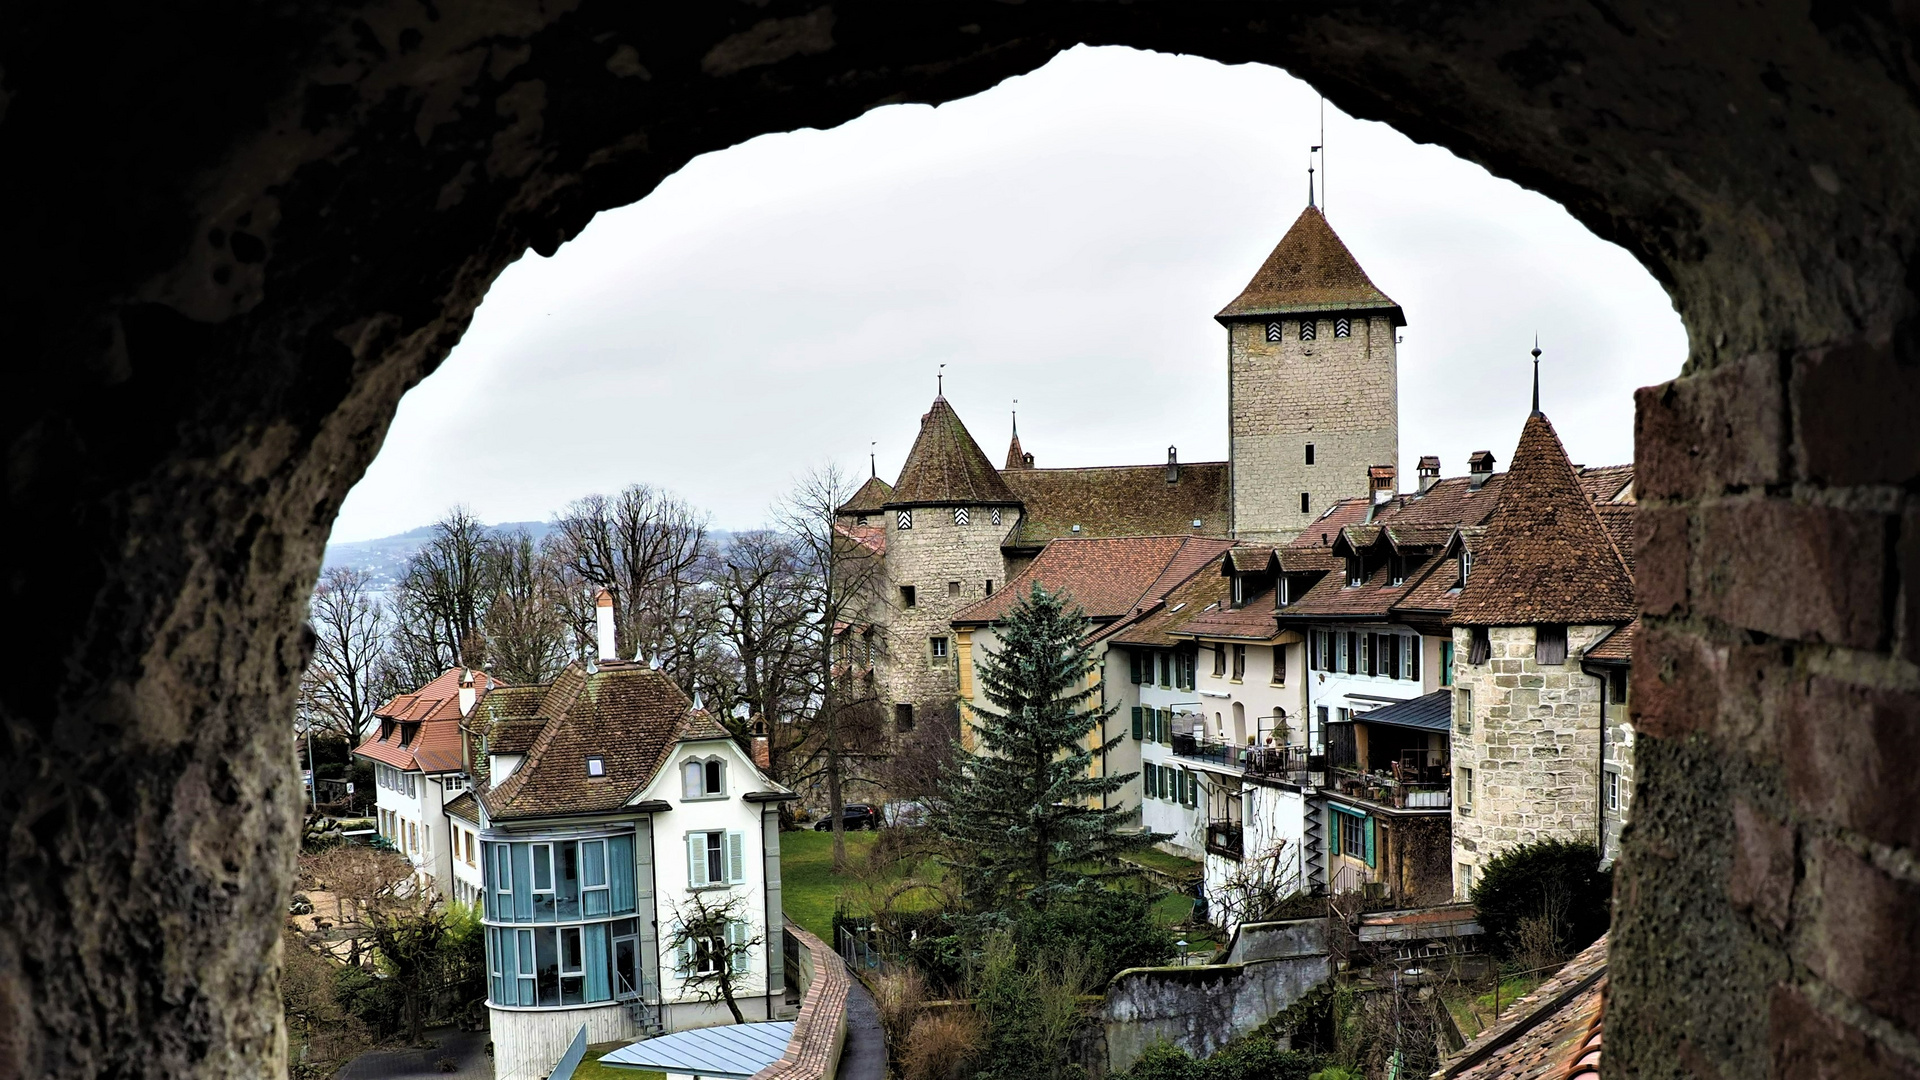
x=1432 y=590
x=1016 y=457
x=1618 y=519
x=628 y=715
x=466 y=807
x=1253 y=622
x=1616 y=647
x=945 y=466
x=508 y=719
x=1332 y=597
x=421 y=730
x=1106 y=576
x=1250 y=558
x=1607 y=483
x=1309 y=270
x=1550 y=1034
x=869 y=499
x=1548 y=559
x=1199 y=593
x=1123 y=500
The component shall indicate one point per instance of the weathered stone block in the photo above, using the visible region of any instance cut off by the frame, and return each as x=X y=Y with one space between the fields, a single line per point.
x=1864 y=938
x=1853 y=411
x=1661 y=558
x=1853 y=758
x=1807 y=1044
x=1761 y=879
x=1837 y=560
x=1704 y=433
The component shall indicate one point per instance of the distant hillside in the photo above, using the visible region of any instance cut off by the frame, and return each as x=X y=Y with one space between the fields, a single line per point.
x=386 y=557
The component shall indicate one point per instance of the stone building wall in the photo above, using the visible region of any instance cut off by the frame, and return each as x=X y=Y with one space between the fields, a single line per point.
x=932 y=555
x=1340 y=394
x=1617 y=758
x=1533 y=746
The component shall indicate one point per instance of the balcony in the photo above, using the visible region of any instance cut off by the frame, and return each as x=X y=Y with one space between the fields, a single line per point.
x=1394 y=793
x=1224 y=838
x=1280 y=762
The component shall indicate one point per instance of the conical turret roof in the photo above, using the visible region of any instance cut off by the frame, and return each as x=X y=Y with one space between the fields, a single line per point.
x=1546 y=558
x=1016 y=457
x=869 y=499
x=946 y=468
x=1309 y=270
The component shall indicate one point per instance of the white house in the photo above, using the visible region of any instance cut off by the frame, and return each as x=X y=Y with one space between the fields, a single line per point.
x=418 y=770
x=610 y=804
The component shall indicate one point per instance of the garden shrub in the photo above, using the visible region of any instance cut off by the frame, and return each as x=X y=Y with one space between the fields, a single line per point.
x=1248 y=1059
x=942 y=1045
x=1544 y=901
x=1112 y=929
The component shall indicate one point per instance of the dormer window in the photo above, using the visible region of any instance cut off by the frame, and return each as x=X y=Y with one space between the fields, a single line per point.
x=1239 y=591
x=596 y=765
x=1274 y=333
x=1356 y=571
x=1282 y=592
x=1398 y=569
x=1307 y=329
x=1466 y=566
x=1342 y=328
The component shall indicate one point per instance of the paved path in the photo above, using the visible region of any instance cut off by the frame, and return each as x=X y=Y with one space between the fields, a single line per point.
x=467 y=1048
x=865 y=1055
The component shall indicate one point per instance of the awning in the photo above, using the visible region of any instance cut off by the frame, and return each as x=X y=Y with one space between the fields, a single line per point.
x=1429 y=712
x=731 y=1052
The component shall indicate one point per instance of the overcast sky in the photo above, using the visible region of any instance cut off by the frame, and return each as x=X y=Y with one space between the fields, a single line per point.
x=1063 y=239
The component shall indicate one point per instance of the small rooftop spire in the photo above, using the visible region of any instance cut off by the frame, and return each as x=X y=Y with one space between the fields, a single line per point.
x=873 y=459
x=940 y=382
x=1536 y=375
x=1310 y=176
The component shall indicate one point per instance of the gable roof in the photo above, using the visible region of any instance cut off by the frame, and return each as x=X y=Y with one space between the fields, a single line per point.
x=627 y=715
x=420 y=731
x=1614 y=648
x=1107 y=576
x=945 y=466
x=1197 y=594
x=871 y=497
x=1120 y=500
x=1309 y=270
x=1548 y=558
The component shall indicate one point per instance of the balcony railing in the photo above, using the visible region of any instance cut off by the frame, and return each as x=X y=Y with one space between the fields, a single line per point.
x=1278 y=761
x=1224 y=838
x=1398 y=794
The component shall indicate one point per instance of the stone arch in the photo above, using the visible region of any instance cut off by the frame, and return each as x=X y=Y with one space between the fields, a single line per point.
x=236 y=236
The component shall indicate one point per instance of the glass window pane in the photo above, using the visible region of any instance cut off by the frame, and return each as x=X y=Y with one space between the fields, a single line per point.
x=573 y=990
x=593 y=862
x=567 y=888
x=547 y=967
x=522 y=882
x=620 y=872
x=542 y=866
x=596 y=947
x=594 y=902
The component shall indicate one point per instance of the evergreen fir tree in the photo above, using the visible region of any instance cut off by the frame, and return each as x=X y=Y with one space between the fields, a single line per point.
x=1023 y=814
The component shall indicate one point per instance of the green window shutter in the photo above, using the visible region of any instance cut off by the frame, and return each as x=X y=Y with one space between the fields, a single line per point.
x=1146 y=782
x=737 y=955
x=1367 y=831
x=1166 y=725
x=1133 y=660
x=696 y=860
x=736 y=858
x=1333 y=832
x=683 y=958
x=1136 y=718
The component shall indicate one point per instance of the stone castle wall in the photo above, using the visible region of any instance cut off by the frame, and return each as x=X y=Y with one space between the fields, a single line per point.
x=1340 y=394
x=930 y=556
x=1534 y=746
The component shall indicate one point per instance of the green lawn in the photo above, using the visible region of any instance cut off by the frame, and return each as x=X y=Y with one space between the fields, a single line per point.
x=809 y=889
x=1155 y=859
x=591 y=1069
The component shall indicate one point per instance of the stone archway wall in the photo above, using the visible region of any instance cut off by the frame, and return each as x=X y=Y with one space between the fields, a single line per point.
x=235 y=235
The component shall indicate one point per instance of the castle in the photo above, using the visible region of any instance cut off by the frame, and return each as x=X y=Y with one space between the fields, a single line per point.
x=1312 y=416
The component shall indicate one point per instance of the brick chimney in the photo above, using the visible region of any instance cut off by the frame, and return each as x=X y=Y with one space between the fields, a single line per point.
x=761 y=751
x=1429 y=471
x=603 y=615
x=1479 y=468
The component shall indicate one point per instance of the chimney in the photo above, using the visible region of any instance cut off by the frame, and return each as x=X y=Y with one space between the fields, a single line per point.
x=1479 y=468
x=1173 y=465
x=1380 y=487
x=762 y=751
x=603 y=612
x=1429 y=471
x=467 y=692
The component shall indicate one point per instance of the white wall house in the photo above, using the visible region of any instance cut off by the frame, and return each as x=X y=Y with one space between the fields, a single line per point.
x=598 y=838
x=414 y=745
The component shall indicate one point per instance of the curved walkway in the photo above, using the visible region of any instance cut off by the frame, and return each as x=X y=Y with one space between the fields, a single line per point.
x=865 y=1055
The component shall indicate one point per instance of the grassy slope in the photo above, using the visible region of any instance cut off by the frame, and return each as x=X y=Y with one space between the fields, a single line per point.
x=808 y=885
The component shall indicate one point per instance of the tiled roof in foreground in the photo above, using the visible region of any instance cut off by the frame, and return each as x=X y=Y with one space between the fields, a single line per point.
x=1550 y=1034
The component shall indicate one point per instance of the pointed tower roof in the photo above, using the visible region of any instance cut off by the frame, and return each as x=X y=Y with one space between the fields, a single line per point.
x=1016 y=457
x=1309 y=270
x=869 y=499
x=1547 y=557
x=946 y=468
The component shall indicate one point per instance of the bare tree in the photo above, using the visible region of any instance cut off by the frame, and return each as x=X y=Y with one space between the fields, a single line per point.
x=442 y=599
x=362 y=881
x=1263 y=887
x=349 y=675
x=761 y=594
x=648 y=549
x=713 y=942
x=526 y=628
x=842 y=576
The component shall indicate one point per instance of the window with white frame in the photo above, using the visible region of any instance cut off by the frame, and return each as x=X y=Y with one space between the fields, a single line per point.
x=715 y=857
x=453 y=782
x=1463 y=710
x=1466 y=790
x=1613 y=790
x=937 y=648
x=703 y=778
x=596 y=765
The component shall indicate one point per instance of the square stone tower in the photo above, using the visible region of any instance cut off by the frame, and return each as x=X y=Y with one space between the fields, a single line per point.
x=1313 y=391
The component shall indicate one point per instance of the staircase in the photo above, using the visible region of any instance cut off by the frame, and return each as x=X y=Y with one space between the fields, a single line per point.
x=1316 y=842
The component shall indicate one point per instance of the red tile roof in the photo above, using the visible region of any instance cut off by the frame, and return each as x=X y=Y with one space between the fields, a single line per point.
x=1616 y=647
x=1548 y=558
x=420 y=731
x=945 y=466
x=1199 y=593
x=1309 y=270
x=1254 y=621
x=1121 y=500
x=1106 y=576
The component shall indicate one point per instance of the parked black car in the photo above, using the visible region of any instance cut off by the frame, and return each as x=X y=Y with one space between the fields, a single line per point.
x=857 y=815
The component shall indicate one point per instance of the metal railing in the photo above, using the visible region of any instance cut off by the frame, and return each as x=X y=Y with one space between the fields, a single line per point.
x=1288 y=761
x=1396 y=794
x=1225 y=838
